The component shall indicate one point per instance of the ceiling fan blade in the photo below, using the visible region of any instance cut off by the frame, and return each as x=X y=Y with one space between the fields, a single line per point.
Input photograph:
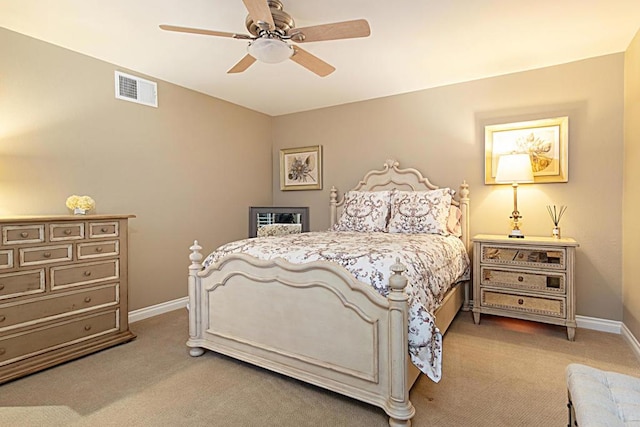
x=244 y=63
x=311 y=62
x=204 y=32
x=259 y=11
x=335 y=31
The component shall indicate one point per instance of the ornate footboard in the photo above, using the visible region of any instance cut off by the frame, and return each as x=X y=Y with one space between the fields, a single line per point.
x=322 y=326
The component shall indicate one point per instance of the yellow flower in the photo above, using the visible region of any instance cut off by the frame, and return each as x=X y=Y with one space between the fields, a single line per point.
x=72 y=202
x=80 y=202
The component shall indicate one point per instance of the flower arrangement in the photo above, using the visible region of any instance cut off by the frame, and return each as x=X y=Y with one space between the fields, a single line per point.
x=80 y=204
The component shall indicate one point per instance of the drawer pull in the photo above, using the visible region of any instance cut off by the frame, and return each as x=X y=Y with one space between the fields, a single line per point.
x=87 y=328
x=2 y=318
x=24 y=234
x=86 y=273
x=87 y=299
x=520 y=278
x=520 y=255
x=104 y=229
x=1 y=287
x=67 y=231
x=47 y=254
x=520 y=301
x=99 y=249
x=2 y=351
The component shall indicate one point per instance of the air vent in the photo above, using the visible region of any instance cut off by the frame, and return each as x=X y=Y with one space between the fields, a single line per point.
x=135 y=89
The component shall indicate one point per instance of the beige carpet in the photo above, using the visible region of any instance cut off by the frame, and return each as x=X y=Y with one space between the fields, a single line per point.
x=500 y=373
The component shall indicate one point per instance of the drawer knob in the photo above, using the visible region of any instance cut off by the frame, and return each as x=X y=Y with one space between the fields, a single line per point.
x=104 y=229
x=2 y=318
x=86 y=273
x=24 y=234
x=99 y=249
x=87 y=299
x=520 y=278
x=520 y=255
x=2 y=351
x=520 y=301
x=1 y=287
x=67 y=231
x=47 y=254
x=87 y=327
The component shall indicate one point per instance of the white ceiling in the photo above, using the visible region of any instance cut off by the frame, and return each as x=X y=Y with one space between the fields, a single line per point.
x=414 y=44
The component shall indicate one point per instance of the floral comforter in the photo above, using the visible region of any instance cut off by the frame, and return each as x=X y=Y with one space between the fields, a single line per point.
x=433 y=262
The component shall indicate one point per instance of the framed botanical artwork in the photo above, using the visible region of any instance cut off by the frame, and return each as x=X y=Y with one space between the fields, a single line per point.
x=301 y=168
x=545 y=141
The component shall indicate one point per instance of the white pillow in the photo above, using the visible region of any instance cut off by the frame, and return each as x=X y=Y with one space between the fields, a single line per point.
x=420 y=211
x=364 y=211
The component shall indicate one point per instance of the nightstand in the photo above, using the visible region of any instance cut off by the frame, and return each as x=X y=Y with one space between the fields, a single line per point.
x=530 y=278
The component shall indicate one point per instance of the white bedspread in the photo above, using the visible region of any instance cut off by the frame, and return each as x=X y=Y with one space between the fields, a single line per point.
x=433 y=262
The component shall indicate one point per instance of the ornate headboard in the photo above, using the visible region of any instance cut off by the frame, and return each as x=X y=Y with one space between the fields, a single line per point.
x=390 y=177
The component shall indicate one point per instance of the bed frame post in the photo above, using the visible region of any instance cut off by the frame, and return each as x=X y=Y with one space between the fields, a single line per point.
x=333 y=206
x=194 y=297
x=400 y=408
x=466 y=238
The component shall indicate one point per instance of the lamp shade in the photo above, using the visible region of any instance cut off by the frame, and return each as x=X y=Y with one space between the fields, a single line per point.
x=514 y=168
x=270 y=50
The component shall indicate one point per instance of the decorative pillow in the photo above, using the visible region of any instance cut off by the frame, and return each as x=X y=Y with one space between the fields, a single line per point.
x=453 y=221
x=364 y=211
x=420 y=211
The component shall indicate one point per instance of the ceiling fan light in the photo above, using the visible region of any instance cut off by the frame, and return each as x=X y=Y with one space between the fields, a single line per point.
x=270 y=50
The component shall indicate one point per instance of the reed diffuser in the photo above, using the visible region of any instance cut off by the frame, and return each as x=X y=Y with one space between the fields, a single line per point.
x=556 y=215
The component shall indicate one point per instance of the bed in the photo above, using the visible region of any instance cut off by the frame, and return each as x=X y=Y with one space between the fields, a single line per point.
x=319 y=322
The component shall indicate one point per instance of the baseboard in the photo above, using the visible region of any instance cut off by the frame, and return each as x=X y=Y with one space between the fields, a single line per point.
x=596 y=324
x=631 y=339
x=155 y=310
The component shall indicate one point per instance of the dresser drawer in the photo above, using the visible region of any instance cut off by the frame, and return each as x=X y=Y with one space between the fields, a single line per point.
x=45 y=254
x=540 y=281
x=554 y=258
x=72 y=231
x=98 y=249
x=23 y=314
x=6 y=258
x=21 y=283
x=30 y=343
x=547 y=306
x=98 y=230
x=12 y=234
x=83 y=274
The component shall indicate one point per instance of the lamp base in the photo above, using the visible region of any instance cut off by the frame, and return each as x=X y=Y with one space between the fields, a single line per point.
x=516 y=234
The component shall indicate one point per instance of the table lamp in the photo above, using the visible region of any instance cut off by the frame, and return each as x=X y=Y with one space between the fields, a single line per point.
x=514 y=169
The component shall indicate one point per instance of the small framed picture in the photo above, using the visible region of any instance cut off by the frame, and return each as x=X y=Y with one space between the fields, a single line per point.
x=545 y=141
x=301 y=168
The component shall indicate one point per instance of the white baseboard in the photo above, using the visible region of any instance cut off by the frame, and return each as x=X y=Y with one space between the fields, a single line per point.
x=596 y=324
x=632 y=340
x=155 y=310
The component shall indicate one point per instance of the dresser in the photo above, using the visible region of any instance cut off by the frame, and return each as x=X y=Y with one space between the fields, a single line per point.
x=530 y=278
x=63 y=289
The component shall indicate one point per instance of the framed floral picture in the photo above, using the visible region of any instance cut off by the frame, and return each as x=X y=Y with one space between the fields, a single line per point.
x=301 y=168
x=545 y=141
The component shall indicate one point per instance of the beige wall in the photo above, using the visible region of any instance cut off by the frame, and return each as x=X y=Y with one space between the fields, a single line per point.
x=631 y=189
x=441 y=132
x=188 y=169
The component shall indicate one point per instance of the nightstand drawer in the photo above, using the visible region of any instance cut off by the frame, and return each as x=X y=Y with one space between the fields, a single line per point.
x=554 y=258
x=36 y=341
x=519 y=279
x=15 y=315
x=546 y=306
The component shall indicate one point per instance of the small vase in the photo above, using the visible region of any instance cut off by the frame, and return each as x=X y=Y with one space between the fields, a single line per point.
x=79 y=211
x=556 y=232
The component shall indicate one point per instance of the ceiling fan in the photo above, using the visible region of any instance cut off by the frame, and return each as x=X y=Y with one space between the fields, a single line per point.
x=272 y=29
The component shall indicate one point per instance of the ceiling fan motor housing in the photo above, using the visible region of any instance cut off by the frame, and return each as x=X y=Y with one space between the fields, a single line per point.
x=282 y=20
